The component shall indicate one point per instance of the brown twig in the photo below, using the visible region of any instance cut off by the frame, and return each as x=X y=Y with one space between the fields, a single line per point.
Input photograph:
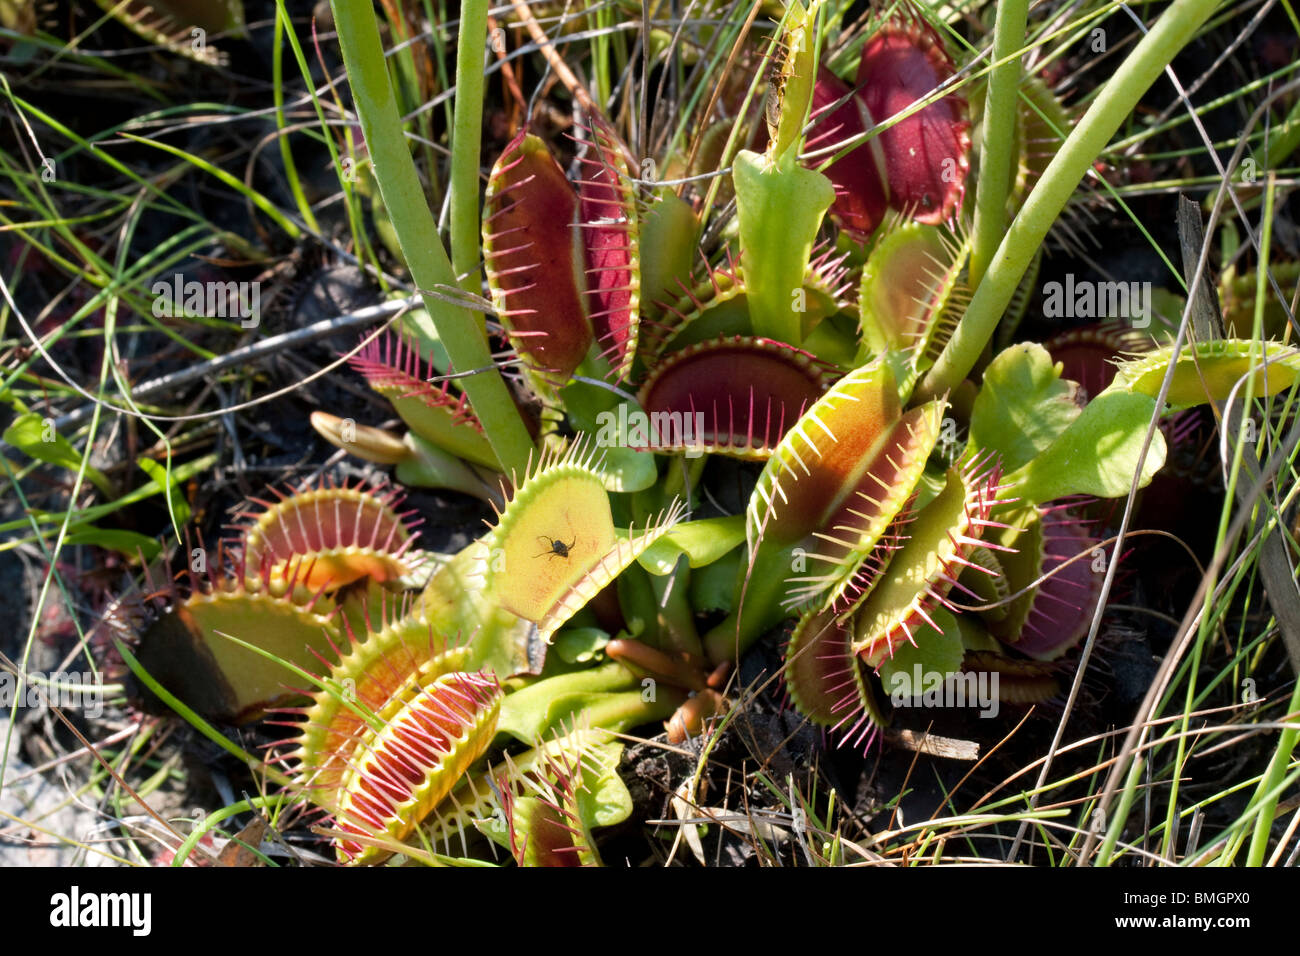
x=556 y=62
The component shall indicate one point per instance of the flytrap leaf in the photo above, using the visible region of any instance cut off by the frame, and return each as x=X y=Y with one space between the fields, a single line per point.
x=544 y=808
x=554 y=547
x=717 y=306
x=927 y=154
x=290 y=558
x=713 y=306
x=603 y=799
x=419 y=461
x=918 y=165
x=327 y=538
x=839 y=115
x=544 y=705
x=378 y=674
x=922 y=572
x=1209 y=371
x=826 y=498
x=824 y=677
x=911 y=295
x=733 y=396
x=1238 y=292
x=477 y=800
x=171 y=23
x=780 y=210
x=935 y=654
x=791 y=89
x=392 y=366
x=1023 y=406
x=364 y=441
x=610 y=235
x=454 y=602
x=1087 y=354
x=853 y=543
x=1054 y=579
x=669 y=235
x=1097 y=454
x=184 y=649
x=533 y=258
x=545 y=831
x=838 y=481
x=402 y=770
x=835 y=433
x=986 y=582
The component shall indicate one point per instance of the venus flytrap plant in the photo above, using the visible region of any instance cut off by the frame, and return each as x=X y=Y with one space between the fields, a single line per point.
x=1238 y=290
x=411 y=693
x=938 y=647
x=849 y=480
x=612 y=246
x=549 y=799
x=334 y=536
x=902 y=515
x=1209 y=371
x=533 y=258
x=1088 y=353
x=990 y=533
x=545 y=827
x=186 y=652
x=434 y=737
x=389 y=731
x=925 y=568
x=566 y=264
x=1045 y=564
x=913 y=290
x=358 y=693
x=826 y=681
x=438 y=413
